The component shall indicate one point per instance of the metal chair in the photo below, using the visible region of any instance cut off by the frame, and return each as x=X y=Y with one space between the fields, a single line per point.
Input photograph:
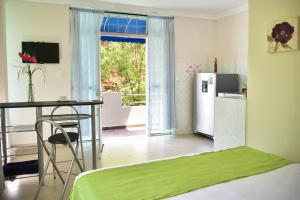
x=63 y=137
x=66 y=124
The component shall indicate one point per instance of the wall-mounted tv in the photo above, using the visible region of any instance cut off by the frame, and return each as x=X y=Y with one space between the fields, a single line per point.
x=44 y=52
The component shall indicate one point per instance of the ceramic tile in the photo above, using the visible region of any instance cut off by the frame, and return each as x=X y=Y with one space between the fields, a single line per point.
x=122 y=146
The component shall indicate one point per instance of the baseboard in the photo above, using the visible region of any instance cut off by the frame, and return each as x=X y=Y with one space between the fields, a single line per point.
x=122 y=127
x=113 y=127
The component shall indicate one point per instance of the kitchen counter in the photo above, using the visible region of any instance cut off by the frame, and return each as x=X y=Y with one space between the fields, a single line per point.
x=230 y=122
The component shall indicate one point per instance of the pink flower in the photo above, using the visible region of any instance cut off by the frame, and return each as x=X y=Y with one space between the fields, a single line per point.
x=32 y=59
x=26 y=57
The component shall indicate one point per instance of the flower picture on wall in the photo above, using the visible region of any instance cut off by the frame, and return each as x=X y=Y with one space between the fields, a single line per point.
x=283 y=36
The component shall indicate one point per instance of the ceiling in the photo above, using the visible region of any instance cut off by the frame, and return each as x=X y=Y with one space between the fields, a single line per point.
x=211 y=7
x=205 y=9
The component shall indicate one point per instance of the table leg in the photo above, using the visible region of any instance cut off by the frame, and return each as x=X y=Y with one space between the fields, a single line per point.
x=93 y=130
x=2 y=182
x=39 y=145
x=3 y=131
x=99 y=127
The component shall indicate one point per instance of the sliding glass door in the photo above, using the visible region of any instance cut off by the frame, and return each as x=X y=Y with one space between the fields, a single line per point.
x=85 y=67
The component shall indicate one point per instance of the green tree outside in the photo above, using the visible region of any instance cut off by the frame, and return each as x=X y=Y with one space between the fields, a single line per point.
x=123 y=69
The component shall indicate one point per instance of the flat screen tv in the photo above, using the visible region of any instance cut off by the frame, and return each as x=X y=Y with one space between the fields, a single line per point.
x=44 y=52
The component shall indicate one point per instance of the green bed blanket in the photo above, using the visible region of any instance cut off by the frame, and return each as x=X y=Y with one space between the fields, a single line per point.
x=167 y=178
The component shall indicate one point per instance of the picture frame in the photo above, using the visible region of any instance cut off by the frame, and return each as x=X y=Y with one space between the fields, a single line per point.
x=283 y=35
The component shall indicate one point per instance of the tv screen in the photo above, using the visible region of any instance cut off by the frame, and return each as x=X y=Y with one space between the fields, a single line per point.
x=44 y=52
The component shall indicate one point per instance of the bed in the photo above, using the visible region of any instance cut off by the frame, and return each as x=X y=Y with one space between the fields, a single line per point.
x=240 y=173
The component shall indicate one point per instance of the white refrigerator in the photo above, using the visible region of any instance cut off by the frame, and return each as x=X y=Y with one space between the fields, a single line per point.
x=207 y=86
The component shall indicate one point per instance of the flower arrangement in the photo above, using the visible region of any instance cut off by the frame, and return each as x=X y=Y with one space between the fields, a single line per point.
x=29 y=70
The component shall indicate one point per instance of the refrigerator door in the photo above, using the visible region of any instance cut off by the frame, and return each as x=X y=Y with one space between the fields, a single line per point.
x=205 y=87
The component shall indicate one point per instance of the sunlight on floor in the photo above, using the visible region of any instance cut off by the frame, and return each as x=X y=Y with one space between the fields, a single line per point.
x=138 y=128
x=12 y=186
x=122 y=146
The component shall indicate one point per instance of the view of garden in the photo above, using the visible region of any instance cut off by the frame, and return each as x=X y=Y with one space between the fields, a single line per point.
x=123 y=69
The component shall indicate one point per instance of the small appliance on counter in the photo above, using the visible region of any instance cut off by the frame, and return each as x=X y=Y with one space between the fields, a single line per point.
x=207 y=87
x=232 y=95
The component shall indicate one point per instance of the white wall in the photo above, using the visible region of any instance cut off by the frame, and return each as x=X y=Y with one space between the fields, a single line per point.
x=114 y=114
x=3 y=77
x=232 y=44
x=197 y=41
x=119 y=7
x=2 y=74
x=36 y=22
x=194 y=44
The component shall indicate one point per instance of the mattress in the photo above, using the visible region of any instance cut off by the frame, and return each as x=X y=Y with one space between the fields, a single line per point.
x=279 y=184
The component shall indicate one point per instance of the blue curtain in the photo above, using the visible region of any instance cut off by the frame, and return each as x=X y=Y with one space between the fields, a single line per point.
x=161 y=76
x=85 y=73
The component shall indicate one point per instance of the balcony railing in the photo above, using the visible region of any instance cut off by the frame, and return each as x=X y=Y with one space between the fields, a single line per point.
x=127 y=100
x=114 y=113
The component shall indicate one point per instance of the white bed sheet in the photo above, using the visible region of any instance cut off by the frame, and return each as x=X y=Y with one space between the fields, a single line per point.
x=279 y=184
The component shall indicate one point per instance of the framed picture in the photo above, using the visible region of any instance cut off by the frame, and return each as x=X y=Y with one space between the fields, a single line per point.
x=283 y=35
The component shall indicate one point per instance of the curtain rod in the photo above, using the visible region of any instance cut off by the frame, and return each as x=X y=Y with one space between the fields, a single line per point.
x=113 y=12
x=125 y=13
x=87 y=10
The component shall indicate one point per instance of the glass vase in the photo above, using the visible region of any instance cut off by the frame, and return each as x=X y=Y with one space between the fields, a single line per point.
x=30 y=90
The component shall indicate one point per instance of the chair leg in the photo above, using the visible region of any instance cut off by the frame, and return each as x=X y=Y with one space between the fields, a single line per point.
x=54 y=159
x=69 y=173
x=53 y=163
x=43 y=176
x=81 y=146
x=54 y=156
x=74 y=153
x=52 y=132
x=50 y=159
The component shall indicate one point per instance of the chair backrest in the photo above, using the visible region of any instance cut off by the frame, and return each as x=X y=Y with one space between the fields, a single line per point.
x=39 y=125
x=72 y=109
x=52 y=115
x=38 y=128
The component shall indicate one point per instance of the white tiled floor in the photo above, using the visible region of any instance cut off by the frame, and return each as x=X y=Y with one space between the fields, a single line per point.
x=121 y=147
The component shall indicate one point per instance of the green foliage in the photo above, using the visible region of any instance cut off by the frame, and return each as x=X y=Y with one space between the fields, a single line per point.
x=123 y=69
